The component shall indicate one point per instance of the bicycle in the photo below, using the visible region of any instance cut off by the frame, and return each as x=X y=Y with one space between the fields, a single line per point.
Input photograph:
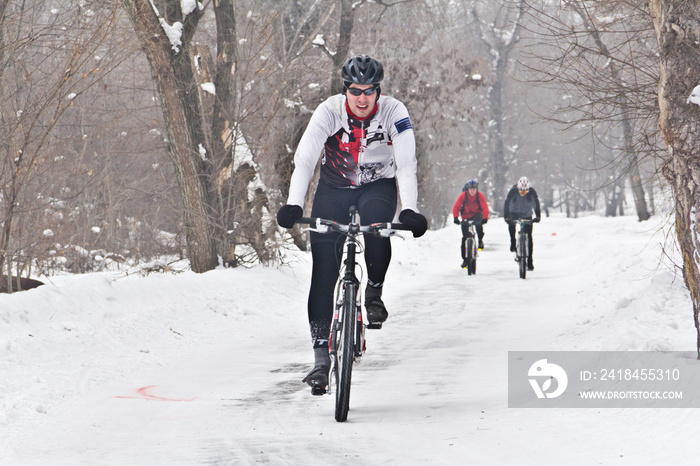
x=470 y=247
x=522 y=246
x=347 y=338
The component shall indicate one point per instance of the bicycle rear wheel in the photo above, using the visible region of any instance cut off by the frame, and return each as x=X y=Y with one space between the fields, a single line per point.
x=345 y=353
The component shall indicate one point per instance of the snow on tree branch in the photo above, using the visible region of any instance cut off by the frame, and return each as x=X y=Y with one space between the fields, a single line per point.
x=155 y=9
x=174 y=31
x=188 y=6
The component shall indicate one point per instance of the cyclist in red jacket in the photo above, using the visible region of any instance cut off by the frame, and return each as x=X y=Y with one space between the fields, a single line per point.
x=471 y=205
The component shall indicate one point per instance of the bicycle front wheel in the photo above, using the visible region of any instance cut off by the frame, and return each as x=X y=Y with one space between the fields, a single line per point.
x=471 y=257
x=345 y=353
x=522 y=256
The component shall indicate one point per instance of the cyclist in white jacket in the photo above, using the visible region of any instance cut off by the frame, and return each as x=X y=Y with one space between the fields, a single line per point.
x=368 y=147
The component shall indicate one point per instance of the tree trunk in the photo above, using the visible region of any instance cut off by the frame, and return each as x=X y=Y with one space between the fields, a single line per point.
x=223 y=123
x=173 y=73
x=636 y=184
x=677 y=25
x=346 y=24
x=5 y=151
x=497 y=158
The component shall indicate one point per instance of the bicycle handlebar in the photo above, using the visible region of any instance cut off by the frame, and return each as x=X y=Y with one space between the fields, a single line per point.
x=322 y=225
x=524 y=221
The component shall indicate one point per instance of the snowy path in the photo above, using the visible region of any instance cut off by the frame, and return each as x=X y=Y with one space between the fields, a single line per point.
x=206 y=369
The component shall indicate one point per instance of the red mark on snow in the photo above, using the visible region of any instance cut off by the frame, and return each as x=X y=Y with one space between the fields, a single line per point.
x=144 y=393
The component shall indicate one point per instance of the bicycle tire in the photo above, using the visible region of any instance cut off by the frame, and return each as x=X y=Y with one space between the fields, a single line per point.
x=522 y=255
x=471 y=259
x=345 y=353
x=475 y=254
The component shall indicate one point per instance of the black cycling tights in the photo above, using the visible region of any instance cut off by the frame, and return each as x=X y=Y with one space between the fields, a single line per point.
x=375 y=202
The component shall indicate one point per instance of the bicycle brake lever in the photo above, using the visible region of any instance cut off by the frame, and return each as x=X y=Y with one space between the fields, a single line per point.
x=321 y=228
x=318 y=229
x=388 y=233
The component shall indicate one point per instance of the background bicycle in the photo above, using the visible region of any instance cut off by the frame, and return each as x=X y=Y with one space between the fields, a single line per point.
x=469 y=247
x=522 y=248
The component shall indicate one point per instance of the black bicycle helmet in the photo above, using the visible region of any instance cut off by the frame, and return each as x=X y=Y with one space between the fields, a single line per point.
x=362 y=70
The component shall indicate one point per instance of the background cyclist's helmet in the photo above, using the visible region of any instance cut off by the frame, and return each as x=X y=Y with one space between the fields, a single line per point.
x=523 y=184
x=362 y=70
x=471 y=184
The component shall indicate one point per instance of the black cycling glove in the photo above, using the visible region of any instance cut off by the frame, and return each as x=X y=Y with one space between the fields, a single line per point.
x=288 y=215
x=415 y=221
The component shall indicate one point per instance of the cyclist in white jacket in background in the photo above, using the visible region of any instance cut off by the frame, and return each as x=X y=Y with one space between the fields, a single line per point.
x=368 y=148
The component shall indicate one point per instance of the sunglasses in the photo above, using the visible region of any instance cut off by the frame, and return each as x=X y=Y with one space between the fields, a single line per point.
x=356 y=92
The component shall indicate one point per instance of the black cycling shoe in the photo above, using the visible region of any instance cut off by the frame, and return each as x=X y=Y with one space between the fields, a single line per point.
x=464 y=263
x=512 y=247
x=376 y=312
x=317 y=379
x=530 y=267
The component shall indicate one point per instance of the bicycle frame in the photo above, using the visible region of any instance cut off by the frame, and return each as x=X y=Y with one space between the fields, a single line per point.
x=348 y=283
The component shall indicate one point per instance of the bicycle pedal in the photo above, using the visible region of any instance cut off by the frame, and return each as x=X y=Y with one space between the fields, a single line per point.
x=318 y=390
x=375 y=325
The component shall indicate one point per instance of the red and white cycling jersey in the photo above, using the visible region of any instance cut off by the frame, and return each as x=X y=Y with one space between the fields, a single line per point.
x=357 y=152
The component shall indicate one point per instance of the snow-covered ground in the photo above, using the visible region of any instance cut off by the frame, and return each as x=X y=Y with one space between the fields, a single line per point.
x=189 y=369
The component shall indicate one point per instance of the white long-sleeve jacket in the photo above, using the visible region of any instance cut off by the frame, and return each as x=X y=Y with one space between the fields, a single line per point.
x=356 y=152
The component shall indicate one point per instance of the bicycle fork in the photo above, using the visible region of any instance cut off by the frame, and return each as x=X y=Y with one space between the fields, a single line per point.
x=347 y=284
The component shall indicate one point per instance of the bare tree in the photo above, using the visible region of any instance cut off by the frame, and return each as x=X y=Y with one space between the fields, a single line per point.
x=167 y=42
x=297 y=63
x=438 y=78
x=677 y=25
x=626 y=119
x=500 y=37
x=239 y=91
x=602 y=59
x=48 y=61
